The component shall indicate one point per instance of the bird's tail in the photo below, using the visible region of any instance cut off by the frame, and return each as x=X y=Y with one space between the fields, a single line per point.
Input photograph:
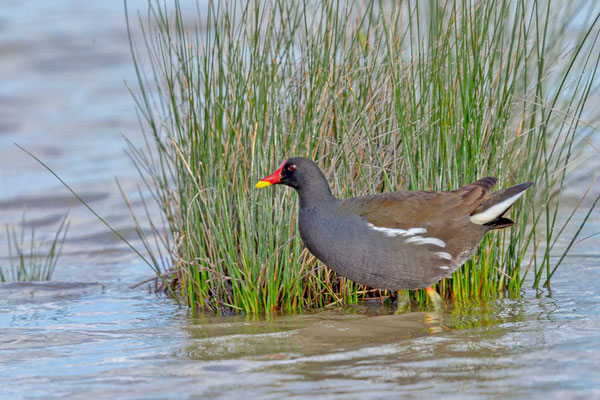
x=491 y=211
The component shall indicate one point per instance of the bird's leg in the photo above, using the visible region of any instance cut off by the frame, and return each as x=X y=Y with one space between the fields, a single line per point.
x=403 y=302
x=434 y=298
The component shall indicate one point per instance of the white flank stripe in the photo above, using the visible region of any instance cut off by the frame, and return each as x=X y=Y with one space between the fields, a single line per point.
x=444 y=267
x=397 y=232
x=389 y=232
x=494 y=211
x=422 y=240
x=414 y=231
x=444 y=255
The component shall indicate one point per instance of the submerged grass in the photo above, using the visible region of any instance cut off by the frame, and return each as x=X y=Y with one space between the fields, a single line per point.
x=384 y=96
x=31 y=259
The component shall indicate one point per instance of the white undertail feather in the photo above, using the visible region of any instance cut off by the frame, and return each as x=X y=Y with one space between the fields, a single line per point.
x=495 y=211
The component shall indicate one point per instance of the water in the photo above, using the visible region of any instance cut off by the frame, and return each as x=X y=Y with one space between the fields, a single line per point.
x=86 y=334
x=80 y=340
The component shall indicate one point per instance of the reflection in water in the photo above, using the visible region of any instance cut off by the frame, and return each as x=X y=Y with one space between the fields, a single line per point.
x=319 y=333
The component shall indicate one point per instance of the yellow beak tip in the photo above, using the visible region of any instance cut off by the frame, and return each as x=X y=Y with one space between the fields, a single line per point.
x=262 y=184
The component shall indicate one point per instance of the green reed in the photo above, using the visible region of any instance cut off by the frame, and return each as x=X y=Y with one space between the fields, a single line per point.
x=384 y=96
x=31 y=259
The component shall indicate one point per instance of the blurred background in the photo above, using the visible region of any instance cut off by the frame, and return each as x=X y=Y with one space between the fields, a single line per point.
x=64 y=70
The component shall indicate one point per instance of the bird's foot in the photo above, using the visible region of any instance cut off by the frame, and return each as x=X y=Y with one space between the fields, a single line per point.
x=434 y=298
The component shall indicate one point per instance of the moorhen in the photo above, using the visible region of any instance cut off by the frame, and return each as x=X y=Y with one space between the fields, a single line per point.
x=399 y=240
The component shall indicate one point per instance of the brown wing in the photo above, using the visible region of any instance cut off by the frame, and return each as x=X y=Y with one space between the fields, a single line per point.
x=424 y=209
x=477 y=192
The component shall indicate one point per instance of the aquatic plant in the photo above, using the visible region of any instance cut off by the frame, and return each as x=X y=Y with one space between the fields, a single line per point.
x=385 y=96
x=30 y=259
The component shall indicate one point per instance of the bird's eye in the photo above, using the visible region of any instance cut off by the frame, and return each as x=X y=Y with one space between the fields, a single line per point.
x=291 y=167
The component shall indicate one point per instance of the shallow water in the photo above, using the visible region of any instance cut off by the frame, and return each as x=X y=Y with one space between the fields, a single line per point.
x=87 y=334
x=81 y=340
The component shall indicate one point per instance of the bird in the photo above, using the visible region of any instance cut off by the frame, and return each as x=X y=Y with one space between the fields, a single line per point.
x=398 y=240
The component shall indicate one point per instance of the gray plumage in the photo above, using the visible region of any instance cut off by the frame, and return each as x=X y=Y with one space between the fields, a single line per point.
x=399 y=240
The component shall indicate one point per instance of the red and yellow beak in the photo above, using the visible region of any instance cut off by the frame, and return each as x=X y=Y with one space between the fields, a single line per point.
x=275 y=177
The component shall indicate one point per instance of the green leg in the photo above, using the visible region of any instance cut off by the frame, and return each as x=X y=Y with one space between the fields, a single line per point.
x=434 y=298
x=403 y=302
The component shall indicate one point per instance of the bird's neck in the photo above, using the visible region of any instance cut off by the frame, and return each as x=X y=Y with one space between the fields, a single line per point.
x=317 y=194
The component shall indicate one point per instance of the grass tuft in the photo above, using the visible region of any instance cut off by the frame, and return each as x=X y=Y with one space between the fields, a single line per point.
x=31 y=259
x=384 y=96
